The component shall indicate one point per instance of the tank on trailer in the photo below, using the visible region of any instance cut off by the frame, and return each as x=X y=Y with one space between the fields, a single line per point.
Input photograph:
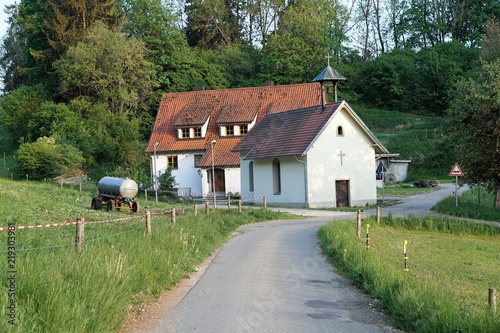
x=117 y=193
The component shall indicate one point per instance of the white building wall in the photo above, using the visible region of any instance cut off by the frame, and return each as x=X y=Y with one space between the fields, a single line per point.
x=246 y=194
x=233 y=183
x=187 y=176
x=292 y=182
x=324 y=164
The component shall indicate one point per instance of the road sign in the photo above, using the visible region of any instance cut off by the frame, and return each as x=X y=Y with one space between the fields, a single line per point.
x=456 y=171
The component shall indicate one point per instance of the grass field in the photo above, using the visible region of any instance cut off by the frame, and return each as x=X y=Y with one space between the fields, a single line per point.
x=451 y=266
x=57 y=290
x=415 y=137
x=474 y=203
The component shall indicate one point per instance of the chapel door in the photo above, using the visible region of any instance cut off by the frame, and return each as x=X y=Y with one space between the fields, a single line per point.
x=342 y=193
x=220 y=181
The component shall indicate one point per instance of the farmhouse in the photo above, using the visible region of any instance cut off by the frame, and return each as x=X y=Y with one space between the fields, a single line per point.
x=319 y=156
x=195 y=132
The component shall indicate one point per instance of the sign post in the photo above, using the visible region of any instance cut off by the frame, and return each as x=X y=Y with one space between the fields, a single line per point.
x=456 y=172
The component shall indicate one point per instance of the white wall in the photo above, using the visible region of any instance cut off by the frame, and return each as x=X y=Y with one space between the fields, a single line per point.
x=324 y=164
x=292 y=181
x=186 y=175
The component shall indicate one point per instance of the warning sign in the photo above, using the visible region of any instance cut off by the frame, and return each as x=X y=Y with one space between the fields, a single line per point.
x=456 y=171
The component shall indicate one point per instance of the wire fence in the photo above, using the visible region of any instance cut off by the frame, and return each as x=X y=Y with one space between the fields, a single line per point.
x=147 y=218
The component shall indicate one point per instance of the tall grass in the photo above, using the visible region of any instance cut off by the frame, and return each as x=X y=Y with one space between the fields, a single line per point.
x=471 y=204
x=121 y=265
x=450 y=270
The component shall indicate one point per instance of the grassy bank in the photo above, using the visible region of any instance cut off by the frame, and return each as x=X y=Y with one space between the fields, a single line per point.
x=475 y=203
x=57 y=290
x=416 y=137
x=451 y=266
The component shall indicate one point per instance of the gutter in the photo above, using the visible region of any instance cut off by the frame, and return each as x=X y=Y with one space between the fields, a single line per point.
x=305 y=180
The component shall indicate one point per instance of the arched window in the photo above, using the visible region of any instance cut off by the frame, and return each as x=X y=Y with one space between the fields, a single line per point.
x=276 y=176
x=340 y=131
x=250 y=177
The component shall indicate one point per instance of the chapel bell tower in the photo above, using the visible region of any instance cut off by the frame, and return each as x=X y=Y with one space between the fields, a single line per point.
x=328 y=75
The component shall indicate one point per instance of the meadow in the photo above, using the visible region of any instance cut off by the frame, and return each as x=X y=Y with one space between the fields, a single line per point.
x=474 y=203
x=451 y=266
x=121 y=266
x=415 y=137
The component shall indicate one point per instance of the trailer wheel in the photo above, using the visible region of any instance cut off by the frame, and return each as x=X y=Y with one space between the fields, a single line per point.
x=135 y=207
x=96 y=203
x=111 y=205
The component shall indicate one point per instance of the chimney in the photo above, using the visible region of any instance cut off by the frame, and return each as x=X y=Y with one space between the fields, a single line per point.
x=269 y=83
x=198 y=88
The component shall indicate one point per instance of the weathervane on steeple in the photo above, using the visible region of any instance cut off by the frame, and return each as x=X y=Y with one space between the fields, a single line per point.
x=328 y=75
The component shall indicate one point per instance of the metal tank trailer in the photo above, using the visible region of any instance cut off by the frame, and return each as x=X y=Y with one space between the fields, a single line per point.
x=117 y=193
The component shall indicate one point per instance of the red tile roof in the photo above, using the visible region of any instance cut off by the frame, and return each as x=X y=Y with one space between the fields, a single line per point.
x=291 y=133
x=226 y=106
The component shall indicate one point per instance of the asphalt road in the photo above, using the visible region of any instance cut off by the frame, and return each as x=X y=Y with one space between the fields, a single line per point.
x=272 y=277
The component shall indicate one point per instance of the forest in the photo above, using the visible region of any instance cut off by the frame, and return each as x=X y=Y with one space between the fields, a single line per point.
x=82 y=79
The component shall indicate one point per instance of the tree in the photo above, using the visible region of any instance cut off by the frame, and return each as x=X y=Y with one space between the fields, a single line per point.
x=296 y=52
x=178 y=67
x=17 y=109
x=45 y=158
x=211 y=23
x=167 y=180
x=48 y=27
x=70 y=20
x=474 y=125
x=11 y=55
x=109 y=67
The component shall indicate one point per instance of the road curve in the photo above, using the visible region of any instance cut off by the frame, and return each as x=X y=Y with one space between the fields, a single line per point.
x=272 y=277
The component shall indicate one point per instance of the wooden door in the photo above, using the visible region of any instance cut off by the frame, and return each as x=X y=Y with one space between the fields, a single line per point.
x=342 y=193
x=220 y=181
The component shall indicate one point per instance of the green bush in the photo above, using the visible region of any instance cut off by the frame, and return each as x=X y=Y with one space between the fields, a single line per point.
x=46 y=159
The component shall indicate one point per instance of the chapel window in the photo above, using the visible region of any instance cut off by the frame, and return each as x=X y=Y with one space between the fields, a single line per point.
x=250 y=177
x=276 y=177
x=340 y=131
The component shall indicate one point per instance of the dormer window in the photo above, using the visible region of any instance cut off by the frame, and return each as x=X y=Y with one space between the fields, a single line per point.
x=190 y=133
x=243 y=129
x=229 y=130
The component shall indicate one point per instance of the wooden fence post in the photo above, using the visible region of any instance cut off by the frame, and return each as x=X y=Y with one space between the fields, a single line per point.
x=172 y=215
x=148 y=222
x=146 y=194
x=207 y=208
x=79 y=235
x=195 y=210
x=492 y=299
x=358 y=226
x=229 y=201
x=239 y=206
x=265 y=202
x=378 y=215
x=80 y=186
